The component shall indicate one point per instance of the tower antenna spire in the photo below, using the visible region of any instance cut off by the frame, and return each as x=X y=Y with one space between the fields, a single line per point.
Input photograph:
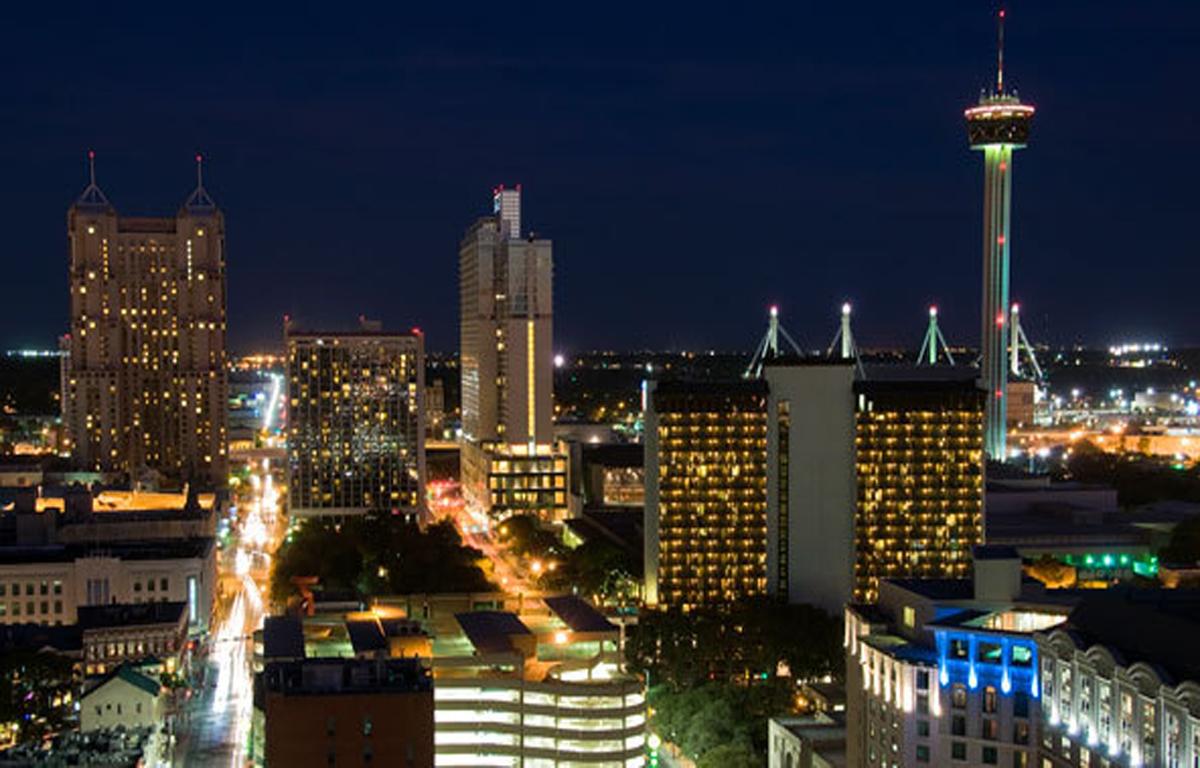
x=92 y=196
x=199 y=199
x=1000 y=52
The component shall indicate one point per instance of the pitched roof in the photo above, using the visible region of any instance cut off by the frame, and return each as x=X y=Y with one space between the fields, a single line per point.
x=578 y=614
x=491 y=631
x=283 y=638
x=131 y=676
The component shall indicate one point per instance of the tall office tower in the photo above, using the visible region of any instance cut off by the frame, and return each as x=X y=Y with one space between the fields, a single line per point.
x=510 y=462
x=706 y=494
x=811 y=482
x=997 y=126
x=145 y=375
x=920 y=476
x=356 y=427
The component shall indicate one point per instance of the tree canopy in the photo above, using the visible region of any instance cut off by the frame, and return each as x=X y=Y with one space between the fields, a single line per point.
x=379 y=555
x=747 y=640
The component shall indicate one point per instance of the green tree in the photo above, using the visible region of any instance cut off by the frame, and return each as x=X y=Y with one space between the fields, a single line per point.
x=1184 y=545
x=30 y=682
x=379 y=555
x=730 y=756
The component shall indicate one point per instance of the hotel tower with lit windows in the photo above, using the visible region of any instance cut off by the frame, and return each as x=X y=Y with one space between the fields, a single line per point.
x=919 y=472
x=356 y=425
x=144 y=378
x=511 y=463
x=706 y=492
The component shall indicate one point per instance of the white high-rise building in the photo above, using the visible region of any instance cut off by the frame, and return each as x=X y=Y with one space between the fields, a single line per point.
x=510 y=462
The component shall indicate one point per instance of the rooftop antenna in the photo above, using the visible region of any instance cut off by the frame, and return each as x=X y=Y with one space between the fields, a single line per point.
x=1019 y=341
x=1000 y=53
x=849 y=350
x=199 y=199
x=934 y=343
x=768 y=348
x=92 y=196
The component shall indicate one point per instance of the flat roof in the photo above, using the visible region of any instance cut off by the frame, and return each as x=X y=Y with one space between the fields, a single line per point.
x=1148 y=625
x=381 y=335
x=937 y=589
x=158 y=549
x=130 y=614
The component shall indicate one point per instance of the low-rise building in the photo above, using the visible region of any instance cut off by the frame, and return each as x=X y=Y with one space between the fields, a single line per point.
x=516 y=681
x=321 y=712
x=148 y=633
x=945 y=671
x=127 y=697
x=1121 y=682
x=806 y=742
x=49 y=584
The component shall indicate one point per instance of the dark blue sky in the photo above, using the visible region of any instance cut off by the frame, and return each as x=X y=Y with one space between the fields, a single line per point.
x=693 y=163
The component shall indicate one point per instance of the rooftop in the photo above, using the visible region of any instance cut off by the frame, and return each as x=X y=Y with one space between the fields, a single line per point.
x=1118 y=619
x=283 y=638
x=131 y=675
x=578 y=614
x=130 y=614
x=491 y=631
x=162 y=549
x=318 y=677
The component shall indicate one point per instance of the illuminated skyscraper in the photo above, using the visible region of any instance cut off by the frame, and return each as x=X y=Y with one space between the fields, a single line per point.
x=510 y=463
x=706 y=492
x=144 y=381
x=356 y=435
x=919 y=463
x=998 y=125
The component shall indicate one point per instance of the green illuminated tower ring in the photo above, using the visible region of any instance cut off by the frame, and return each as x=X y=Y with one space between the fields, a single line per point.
x=997 y=126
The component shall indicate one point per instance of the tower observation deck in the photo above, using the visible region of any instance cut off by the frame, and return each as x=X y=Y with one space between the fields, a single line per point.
x=997 y=126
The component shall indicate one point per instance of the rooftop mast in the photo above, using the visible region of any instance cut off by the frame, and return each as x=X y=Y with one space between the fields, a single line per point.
x=934 y=343
x=768 y=347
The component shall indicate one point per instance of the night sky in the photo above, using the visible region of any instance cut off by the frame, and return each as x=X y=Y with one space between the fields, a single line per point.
x=692 y=163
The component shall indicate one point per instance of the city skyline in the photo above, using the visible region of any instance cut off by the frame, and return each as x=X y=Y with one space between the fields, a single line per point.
x=631 y=144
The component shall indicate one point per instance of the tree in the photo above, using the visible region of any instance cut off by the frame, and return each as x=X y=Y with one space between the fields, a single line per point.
x=379 y=555
x=524 y=536
x=30 y=682
x=745 y=641
x=1184 y=545
x=730 y=756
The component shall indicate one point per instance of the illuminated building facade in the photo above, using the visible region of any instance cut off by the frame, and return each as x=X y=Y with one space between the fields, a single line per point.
x=706 y=492
x=945 y=671
x=144 y=374
x=356 y=436
x=511 y=463
x=49 y=584
x=919 y=448
x=344 y=712
x=517 y=681
x=1121 y=682
x=997 y=126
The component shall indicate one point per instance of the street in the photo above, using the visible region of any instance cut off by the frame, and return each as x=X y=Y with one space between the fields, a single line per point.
x=214 y=726
x=474 y=527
